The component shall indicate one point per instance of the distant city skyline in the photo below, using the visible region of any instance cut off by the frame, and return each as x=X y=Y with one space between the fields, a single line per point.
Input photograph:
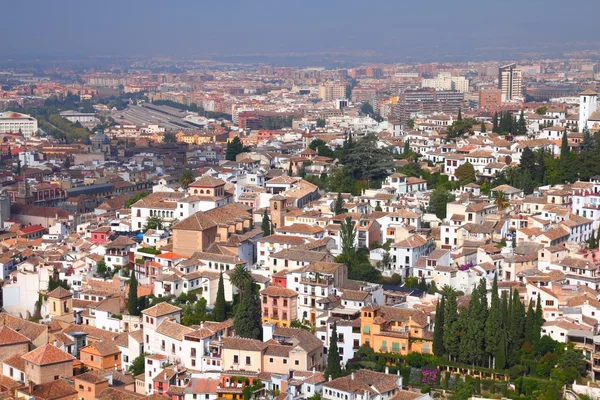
x=392 y=29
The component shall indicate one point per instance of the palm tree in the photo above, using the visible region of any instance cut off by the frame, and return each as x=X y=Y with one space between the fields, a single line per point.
x=239 y=277
x=501 y=200
x=447 y=290
x=186 y=179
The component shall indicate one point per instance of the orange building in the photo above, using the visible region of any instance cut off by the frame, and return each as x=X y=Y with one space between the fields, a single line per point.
x=490 y=98
x=101 y=355
x=396 y=330
x=89 y=384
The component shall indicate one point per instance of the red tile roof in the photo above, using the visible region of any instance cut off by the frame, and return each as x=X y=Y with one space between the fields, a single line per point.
x=47 y=354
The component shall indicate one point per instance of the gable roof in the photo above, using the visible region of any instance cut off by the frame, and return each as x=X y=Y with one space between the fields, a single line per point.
x=161 y=309
x=47 y=354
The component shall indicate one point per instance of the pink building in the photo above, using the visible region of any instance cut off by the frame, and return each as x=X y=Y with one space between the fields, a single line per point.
x=279 y=305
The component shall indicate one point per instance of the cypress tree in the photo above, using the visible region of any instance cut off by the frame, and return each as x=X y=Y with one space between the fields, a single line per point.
x=483 y=128
x=538 y=321
x=334 y=368
x=451 y=334
x=438 y=330
x=266 y=224
x=522 y=126
x=493 y=324
x=517 y=325
x=220 y=313
x=564 y=147
x=501 y=352
x=132 y=297
x=461 y=326
x=339 y=204
x=459 y=117
x=529 y=323
x=495 y=123
x=247 y=322
x=406 y=147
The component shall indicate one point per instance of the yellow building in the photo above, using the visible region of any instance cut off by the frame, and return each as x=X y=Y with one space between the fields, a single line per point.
x=60 y=304
x=396 y=330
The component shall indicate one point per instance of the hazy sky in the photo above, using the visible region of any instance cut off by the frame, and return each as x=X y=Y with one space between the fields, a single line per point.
x=68 y=28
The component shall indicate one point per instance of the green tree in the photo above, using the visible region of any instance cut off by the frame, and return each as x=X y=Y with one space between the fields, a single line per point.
x=138 y=366
x=220 y=310
x=493 y=324
x=234 y=147
x=438 y=199
x=459 y=117
x=451 y=333
x=347 y=236
x=366 y=161
x=239 y=278
x=529 y=323
x=564 y=146
x=134 y=199
x=541 y=110
x=169 y=137
x=483 y=129
x=495 y=127
x=465 y=173
x=339 y=204
x=186 y=178
x=366 y=108
x=527 y=182
x=333 y=368
x=266 y=224
x=101 y=269
x=132 y=296
x=575 y=359
x=438 y=330
x=154 y=223
x=247 y=322
x=521 y=125
x=500 y=355
x=321 y=123
x=53 y=283
x=528 y=160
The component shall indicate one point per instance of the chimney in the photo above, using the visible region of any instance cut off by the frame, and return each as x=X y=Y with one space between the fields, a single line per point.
x=387 y=370
x=116 y=367
x=54 y=343
x=329 y=378
x=166 y=377
x=352 y=376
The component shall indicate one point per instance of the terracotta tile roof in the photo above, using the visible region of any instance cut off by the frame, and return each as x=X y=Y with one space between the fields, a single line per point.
x=47 y=354
x=112 y=393
x=236 y=343
x=29 y=329
x=173 y=329
x=9 y=336
x=60 y=293
x=161 y=309
x=278 y=291
x=204 y=385
x=16 y=362
x=364 y=381
x=91 y=377
x=104 y=348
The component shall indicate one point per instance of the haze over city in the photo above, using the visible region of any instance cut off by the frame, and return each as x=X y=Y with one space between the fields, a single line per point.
x=396 y=29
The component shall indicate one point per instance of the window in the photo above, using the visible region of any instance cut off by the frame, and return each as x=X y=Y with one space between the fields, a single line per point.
x=248 y=360
x=89 y=388
x=285 y=360
x=56 y=377
x=271 y=360
x=395 y=347
x=297 y=362
x=367 y=329
x=236 y=360
x=80 y=387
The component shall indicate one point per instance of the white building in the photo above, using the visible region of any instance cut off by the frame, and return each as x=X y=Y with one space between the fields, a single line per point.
x=13 y=122
x=445 y=81
x=587 y=106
